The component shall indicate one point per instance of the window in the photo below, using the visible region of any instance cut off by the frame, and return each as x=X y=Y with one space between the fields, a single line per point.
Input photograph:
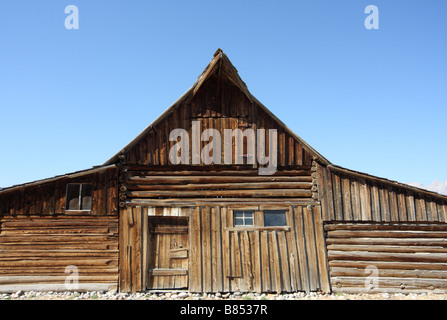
x=243 y=217
x=274 y=218
x=79 y=196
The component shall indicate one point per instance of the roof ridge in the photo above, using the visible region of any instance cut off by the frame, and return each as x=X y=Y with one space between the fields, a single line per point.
x=233 y=75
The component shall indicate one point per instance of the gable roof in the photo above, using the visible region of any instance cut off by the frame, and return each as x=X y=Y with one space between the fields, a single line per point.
x=220 y=64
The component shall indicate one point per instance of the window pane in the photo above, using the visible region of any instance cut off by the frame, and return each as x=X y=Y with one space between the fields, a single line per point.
x=86 y=203
x=86 y=197
x=238 y=222
x=243 y=217
x=238 y=214
x=72 y=201
x=274 y=218
x=249 y=221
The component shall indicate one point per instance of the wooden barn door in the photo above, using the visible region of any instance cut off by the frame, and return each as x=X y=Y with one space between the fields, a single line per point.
x=168 y=251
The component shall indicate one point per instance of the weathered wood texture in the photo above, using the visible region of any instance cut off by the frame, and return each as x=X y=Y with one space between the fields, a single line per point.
x=168 y=251
x=36 y=250
x=48 y=198
x=221 y=257
x=219 y=105
x=130 y=268
x=275 y=259
x=347 y=196
x=189 y=185
x=387 y=257
x=224 y=258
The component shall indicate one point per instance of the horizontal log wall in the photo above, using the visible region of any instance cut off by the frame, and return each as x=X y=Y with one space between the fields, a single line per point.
x=192 y=183
x=48 y=198
x=387 y=257
x=219 y=105
x=350 y=197
x=36 y=250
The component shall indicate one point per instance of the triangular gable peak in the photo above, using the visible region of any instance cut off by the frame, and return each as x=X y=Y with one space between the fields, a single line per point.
x=218 y=122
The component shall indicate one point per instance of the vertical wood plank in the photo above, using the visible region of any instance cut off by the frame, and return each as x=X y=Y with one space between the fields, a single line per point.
x=298 y=154
x=236 y=261
x=375 y=203
x=290 y=149
x=355 y=201
x=282 y=141
x=206 y=249
x=124 y=278
x=295 y=277
x=236 y=266
x=384 y=204
x=266 y=274
x=428 y=209
x=310 y=248
x=144 y=248
x=411 y=209
x=368 y=211
x=307 y=158
x=226 y=251
x=247 y=274
x=134 y=242
x=422 y=210
x=338 y=198
x=276 y=262
x=346 y=190
x=257 y=270
x=321 y=252
x=284 y=261
x=214 y=249
x=301 y=247
x=330 y=198
x=434 y=210
x=393 y=205
x=444 y=210
x=219 y=254
x=137 y=253
x=402 y=207
x=195 y=260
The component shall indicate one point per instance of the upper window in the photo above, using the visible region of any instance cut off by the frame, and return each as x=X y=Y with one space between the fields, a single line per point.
x=79 y=196
x=275 y=218
x=243 y=217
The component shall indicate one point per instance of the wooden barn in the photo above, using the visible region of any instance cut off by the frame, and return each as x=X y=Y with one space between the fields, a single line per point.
x=218 y=195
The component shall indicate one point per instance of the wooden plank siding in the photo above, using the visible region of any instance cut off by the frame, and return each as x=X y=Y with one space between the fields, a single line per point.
x=48 y=198
x=262 y=259
x=39 y=238
x=213 y=112
x=225 y=258
x=382 y=236
x=348 y=196
x=35 y=251
x=387 y=257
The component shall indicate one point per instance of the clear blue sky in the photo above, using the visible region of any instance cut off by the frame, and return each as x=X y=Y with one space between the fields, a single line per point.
x=369 y=100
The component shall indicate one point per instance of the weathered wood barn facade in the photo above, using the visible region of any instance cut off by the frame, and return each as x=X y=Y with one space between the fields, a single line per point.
x=218 y=195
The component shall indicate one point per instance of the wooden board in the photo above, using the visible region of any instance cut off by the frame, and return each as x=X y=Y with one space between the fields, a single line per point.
x=282 y=259
x=350 y=196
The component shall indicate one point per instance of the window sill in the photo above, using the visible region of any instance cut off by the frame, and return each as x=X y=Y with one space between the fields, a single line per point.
x=77 y=212
x=254 y=228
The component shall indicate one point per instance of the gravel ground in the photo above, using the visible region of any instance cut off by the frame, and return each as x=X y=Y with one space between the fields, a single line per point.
x=112 y=295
